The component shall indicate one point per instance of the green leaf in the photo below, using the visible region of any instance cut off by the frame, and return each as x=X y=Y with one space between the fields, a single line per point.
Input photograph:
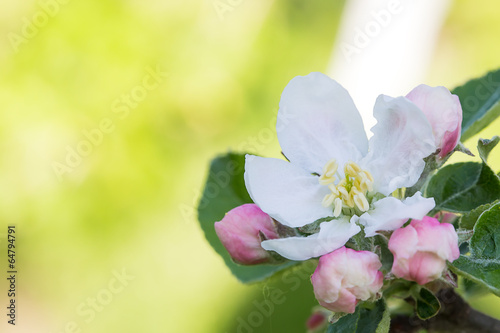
x=485 y=146
x=427 y=304
x=485 y=242
x=461 y=187
x=399 y=288
x=480 y=103
x=225 y=190
x=467 y=221
x=364 y=320
x=385 y=323
x=385 y=255
x=485 y=272
x=471 y=288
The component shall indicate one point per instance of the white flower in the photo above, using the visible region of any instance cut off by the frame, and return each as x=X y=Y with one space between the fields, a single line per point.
x=334 y=171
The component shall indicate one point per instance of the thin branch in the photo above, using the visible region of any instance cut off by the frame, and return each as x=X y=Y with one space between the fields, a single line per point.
x=455 y=316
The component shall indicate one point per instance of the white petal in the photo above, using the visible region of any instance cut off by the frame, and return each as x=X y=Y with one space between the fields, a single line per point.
x=391 y=213
x=286 y=192
x=401 y=139
x=332 y=235
x=318 y=121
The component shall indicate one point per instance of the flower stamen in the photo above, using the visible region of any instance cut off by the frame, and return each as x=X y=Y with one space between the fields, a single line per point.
x=329 y=171
x=338 y=207
x=351 y=191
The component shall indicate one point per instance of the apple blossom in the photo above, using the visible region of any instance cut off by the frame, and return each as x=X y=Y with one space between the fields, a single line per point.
x=239 y=231
x=421 y=249
x=444 y=112
x=334 y=171
x=345 y=276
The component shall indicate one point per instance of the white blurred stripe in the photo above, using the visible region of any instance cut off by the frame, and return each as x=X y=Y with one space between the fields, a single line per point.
x=392 y=59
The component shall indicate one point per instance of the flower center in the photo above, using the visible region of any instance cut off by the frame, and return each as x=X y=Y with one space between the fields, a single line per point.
x=350 y=191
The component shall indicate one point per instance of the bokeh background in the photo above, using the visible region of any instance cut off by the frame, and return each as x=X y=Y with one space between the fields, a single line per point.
x=129 y=206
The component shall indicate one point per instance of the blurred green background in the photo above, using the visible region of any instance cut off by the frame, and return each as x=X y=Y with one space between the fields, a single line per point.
x=129 y=205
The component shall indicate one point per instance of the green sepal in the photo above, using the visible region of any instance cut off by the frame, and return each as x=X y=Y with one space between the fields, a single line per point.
x=485 y=146
x=426 y=303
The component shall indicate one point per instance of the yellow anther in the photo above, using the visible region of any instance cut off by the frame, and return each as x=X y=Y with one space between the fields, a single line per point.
x=366 y=180
x=352 y=169
x=343 y=191
x=368 y=175
x=328 y=200
x=350 y=191
x=342 y=183
x=349 y=201
x=330 y=168
x=324 y=180
x=338 y=207
x=329 y=171
x=361 y=202
x=368 y=186
x=334 y=189
x=363 y=184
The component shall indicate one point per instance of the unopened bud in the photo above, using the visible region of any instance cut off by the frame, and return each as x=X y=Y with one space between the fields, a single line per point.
x=444 y=112
x=241 y=230
x=421 y=249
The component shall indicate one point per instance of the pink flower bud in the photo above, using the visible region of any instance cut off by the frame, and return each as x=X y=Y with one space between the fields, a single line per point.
x=317 y=321
x=345 y=276
x=239 y=233
x=444 y=112
x=421 y=249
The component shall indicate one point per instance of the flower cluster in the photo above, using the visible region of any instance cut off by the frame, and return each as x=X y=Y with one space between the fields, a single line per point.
x=337 y=186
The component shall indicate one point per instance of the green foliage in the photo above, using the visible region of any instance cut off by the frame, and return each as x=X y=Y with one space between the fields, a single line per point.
x=462 y=187
x=225 y=190
x=485 y=242
x=482 y=266
x=485 y=146
x=386 y=257
x=471 y=288
x=468 y=220
x=485 y=272
x=427 y=304
x=480 y=103
x=364 y=320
